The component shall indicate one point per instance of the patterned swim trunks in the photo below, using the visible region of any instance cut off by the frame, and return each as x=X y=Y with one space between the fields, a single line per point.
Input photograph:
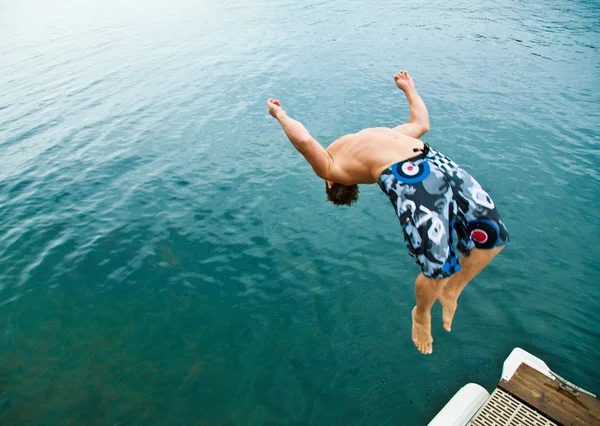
x=433 y=197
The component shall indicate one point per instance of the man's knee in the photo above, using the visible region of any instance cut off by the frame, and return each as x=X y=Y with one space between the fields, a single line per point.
x=485 y=255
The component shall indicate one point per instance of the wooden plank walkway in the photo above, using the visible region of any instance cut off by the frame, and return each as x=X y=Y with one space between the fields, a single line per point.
x=544 y=395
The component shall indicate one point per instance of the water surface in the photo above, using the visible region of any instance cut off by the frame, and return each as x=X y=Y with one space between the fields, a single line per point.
x=166 y=257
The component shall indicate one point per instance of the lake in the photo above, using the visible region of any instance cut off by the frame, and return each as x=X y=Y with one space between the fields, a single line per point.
x=167 y=257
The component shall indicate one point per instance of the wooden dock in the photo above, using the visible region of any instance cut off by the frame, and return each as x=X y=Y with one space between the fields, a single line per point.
x=530 y=398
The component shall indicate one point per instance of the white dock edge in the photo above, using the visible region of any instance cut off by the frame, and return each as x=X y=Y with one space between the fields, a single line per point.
x=462 y=407
x=518 y=356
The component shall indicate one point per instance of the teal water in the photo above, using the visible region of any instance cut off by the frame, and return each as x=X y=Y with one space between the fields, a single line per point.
x=166 y=257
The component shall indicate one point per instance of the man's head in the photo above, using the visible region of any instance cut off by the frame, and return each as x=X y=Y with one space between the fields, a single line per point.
x=341 y=195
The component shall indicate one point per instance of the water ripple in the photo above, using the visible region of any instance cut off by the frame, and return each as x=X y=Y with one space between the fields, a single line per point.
x=166 y=255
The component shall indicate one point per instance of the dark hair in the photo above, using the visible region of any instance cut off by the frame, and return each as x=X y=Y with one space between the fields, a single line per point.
x=341 y=195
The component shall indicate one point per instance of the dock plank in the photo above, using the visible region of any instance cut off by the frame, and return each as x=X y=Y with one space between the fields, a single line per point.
x=544 y=395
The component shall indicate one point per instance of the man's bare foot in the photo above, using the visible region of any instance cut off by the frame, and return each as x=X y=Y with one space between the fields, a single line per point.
x=403 y=81
x=421 y=333
x=449 y=302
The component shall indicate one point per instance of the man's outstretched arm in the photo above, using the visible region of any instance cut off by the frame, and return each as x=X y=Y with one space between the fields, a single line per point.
x=418 y=123
x=312 y=151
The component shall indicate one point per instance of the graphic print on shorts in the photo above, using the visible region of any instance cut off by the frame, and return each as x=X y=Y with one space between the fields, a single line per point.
x=433 y=197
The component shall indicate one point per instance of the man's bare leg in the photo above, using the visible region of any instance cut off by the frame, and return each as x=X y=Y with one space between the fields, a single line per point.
x=427 y=290
x=471 y=266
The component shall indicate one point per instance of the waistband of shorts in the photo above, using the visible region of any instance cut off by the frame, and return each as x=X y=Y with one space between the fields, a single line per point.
x=430 y=153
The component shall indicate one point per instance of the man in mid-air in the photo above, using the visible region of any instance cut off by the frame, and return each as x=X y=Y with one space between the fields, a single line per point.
x=432 y=196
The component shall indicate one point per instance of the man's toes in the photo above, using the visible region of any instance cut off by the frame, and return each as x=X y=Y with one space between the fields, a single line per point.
x=447 y=322
x=424 y=348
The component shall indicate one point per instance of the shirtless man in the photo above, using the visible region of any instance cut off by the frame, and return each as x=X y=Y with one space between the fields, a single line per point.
x=432 y=196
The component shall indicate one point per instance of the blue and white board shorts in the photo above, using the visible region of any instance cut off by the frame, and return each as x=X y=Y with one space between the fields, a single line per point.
x=433 y=198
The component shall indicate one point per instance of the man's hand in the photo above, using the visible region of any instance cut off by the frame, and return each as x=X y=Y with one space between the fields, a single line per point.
x=403 y=81
x=275 y=107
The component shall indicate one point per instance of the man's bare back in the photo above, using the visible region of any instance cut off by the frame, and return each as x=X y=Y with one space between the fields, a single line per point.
x=360 y=158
